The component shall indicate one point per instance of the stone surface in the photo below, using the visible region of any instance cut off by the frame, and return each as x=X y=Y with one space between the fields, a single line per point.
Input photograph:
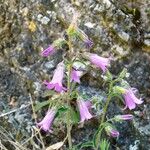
x=117 y=28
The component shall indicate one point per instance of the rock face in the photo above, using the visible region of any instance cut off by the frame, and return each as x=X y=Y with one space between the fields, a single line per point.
x=117 y=28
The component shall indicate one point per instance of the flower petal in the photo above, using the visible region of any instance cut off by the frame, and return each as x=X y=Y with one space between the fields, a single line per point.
x=129 y=102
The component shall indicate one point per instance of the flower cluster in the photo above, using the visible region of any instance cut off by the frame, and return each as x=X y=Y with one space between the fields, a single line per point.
x=56 y=82
x=73 y=75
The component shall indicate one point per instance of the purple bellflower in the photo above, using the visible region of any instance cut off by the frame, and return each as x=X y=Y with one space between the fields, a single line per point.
x=75 y=75
x=56 y=82
x=47 y=121
x=111 y=131
x=49 y=51
x=84 y=110
x=130 y=99
x=123 y=117
x=98 y=61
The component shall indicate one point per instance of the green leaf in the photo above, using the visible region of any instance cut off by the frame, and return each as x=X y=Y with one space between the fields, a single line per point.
x=124 y=84
x=118 y=96
x=74 y=94
x=48 y=93
x=104 y=145
x=108 y=76
x=75 y=147
x=74 y=116
x=97 y=103
x=100 y=129
x=123 y=73
x=86 y=144
x=95 y=137
x=61 y=110
x=39 y=105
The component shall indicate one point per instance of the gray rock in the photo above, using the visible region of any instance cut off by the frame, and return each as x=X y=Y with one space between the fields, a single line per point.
x=117 y=28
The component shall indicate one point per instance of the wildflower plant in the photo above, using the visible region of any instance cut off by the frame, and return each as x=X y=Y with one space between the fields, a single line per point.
x=66 y=99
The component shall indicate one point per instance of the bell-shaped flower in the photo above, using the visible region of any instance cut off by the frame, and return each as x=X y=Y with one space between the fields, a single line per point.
x=47 y=121
x=84 y=110
x=129 y=96
x=49 y=51
x=75 y=75
x=111 y=131
x=130 y=99
x=56 y=82
x=98 y=61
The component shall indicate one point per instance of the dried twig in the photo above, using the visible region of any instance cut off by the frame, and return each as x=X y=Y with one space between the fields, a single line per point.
x=15 y=110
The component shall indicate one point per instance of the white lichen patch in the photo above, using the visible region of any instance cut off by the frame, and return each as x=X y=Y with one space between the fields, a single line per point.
x=135 y=146
x=89 y=25
x=43 y=19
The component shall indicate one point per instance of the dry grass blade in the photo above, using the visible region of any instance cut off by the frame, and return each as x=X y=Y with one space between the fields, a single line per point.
x=55 y=146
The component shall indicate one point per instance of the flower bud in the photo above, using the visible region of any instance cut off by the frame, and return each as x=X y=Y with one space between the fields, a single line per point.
x=111 y=131
x=123 y=117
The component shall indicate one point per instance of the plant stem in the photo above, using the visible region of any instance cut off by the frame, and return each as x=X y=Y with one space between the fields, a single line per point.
x=102 y=121
x=107 y=102
x=105 y=109
x=68 y=112
x=68 y=95
x=104 y=113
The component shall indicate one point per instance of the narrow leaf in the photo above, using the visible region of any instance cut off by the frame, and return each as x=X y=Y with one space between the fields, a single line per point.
x=48 y=93
x=123 y=73
x=39 y=105
x=87 y=144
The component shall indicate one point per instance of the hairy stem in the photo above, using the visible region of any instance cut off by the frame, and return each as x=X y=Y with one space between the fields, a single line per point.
x=68 y=95
x=68 y=103
x=105 y=109
x=104 y=113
